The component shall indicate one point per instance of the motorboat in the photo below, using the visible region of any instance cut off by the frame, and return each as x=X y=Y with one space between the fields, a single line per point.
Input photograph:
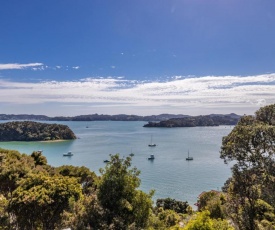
x=68 y=154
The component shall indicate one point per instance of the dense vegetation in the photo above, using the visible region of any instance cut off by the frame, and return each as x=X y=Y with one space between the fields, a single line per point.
x=34 y=131
x=251 y=190
x=35 y=195
x=209 y=120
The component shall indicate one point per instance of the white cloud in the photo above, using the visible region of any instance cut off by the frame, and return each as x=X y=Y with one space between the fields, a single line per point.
x=75 y=67
x=19 y=66
x=185 y=95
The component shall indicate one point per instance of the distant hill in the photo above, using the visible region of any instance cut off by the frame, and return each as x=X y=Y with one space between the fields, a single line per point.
x=91 y=117
x=161 y=120
x=34 y=131
x=193 y=121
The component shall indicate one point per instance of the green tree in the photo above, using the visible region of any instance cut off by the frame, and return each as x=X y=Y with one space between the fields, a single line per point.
x=4 y=218
x=39 y=200
x=85 y=177
x=214 y=202
x=251 y=145
x=123 y=204
x=168 y=217
x=39 y=159
x=172 y=204
x=13 y=166
x=202 y=221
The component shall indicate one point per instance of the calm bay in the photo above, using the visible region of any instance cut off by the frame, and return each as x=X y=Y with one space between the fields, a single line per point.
x=169 y=174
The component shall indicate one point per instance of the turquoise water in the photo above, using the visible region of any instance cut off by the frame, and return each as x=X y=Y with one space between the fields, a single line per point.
x=170 y=175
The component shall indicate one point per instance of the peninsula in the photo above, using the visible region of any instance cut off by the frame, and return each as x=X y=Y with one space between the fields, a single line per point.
x=34 y=131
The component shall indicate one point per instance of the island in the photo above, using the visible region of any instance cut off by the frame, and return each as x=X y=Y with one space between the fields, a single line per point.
x=193 y=121
x=34 y=131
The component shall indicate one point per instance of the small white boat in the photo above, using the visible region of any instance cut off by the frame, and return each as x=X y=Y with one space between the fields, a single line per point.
x=189 y=158
x=152 y=157
x=68 y=154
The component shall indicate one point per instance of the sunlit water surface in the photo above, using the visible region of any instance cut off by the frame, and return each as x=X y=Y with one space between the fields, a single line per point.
x=169 y=174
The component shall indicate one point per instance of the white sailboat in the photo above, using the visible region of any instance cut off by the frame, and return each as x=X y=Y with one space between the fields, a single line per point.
x=189 y=158
x=152 y=144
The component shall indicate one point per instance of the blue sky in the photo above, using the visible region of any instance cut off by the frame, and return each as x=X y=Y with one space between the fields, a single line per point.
x=136 y=57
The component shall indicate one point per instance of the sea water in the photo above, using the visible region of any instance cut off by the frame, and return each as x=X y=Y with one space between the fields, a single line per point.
x=169 y=174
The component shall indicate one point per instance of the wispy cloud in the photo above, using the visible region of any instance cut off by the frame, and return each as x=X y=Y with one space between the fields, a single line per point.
x=33 y=66
x=178 y=93
x=19 y=66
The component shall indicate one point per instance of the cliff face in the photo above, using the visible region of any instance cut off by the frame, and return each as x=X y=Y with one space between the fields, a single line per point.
x=34 y=131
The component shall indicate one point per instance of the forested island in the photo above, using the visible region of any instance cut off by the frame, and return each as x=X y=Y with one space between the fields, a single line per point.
x=34 y=131
x=208 y=120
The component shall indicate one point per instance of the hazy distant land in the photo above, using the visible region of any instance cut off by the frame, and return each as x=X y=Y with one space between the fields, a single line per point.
x=218 y=119
x=208 y=120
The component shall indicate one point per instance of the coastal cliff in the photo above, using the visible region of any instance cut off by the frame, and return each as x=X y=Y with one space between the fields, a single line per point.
x=34 y=131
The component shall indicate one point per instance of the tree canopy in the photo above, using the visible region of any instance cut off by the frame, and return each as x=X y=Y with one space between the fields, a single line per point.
x=119 y=196
x=251 y=147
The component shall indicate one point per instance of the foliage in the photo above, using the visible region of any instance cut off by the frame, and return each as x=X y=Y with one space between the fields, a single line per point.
x=39 y=200
x=172 y=204
x=251 y=145
x=39 y=159
x=14 y=166
x=168 y=217
x=86 y=178
x=202 y=221
x=214 y=202
x=4 y=218
x=123 y=204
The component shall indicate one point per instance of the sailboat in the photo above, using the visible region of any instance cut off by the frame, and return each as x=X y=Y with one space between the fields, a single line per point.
x=151 y=144
x=189 y=158
x=131 y=154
